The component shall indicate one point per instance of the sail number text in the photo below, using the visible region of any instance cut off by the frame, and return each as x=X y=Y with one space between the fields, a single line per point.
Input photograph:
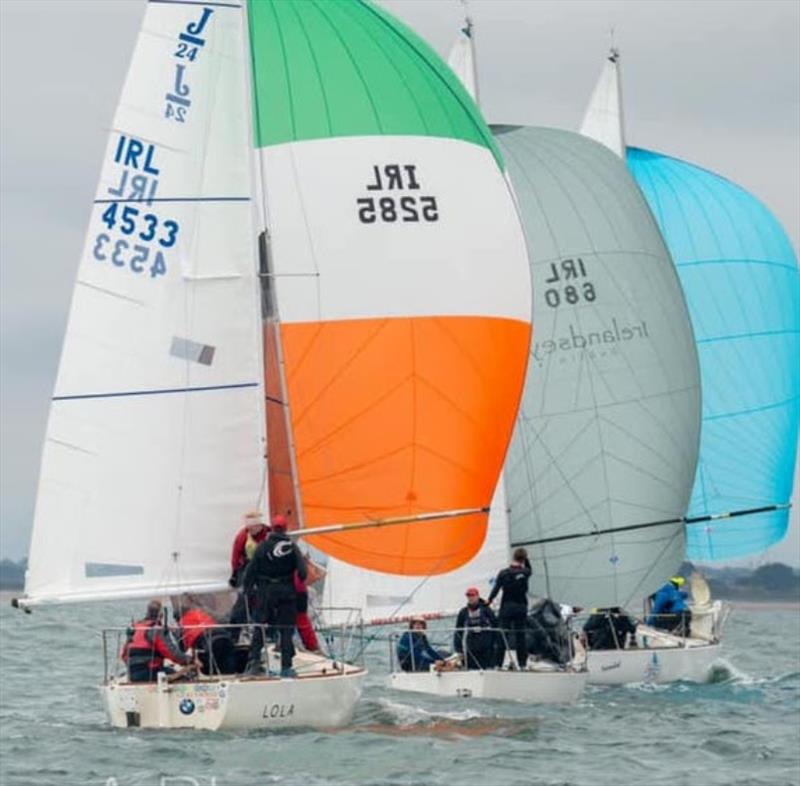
x=567 y=284
x=139 y=230
x=404 y=208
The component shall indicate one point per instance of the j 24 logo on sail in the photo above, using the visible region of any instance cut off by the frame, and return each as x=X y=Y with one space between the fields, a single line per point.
x=128 y=253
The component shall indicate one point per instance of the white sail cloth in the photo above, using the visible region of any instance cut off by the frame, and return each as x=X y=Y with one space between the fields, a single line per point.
x=150 y=454
x=603 y=119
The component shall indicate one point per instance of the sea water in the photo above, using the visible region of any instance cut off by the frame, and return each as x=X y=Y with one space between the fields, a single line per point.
x=742 y=729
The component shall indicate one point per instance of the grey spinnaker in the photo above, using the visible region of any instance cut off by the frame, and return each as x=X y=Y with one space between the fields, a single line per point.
x=608 y=429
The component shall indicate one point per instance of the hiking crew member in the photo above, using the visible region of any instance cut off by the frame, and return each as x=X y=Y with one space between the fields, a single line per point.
x=513 y=583
x=670 y=610
x=245 y=543
x=473 y=639
x=147 y=646
x=199 y=630
x=271 y=573
x=414 y=651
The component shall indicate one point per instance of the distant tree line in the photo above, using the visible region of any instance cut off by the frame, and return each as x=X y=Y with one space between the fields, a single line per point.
x=774 y=581
x=12 y=574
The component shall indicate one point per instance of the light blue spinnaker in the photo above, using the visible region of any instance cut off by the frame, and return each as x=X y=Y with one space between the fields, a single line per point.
x=742 y=285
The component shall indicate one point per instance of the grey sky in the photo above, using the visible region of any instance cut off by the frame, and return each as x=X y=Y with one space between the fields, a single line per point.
x=715 y=82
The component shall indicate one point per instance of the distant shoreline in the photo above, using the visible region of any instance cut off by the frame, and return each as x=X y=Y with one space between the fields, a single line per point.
x=7 y=593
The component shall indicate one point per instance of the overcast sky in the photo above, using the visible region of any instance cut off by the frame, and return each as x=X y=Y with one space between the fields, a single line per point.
x=715 y=82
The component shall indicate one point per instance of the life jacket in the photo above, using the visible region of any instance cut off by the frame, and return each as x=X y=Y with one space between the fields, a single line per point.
x=141 y=649
x=477 y=618
x=194 y=622
x=250 y=546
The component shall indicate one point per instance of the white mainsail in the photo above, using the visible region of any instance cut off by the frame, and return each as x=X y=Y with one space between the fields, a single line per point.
x=463 y=61
x=154 y=444
x=603 y=120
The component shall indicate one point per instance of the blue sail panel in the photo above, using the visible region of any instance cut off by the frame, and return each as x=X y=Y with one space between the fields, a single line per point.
x=742 y=286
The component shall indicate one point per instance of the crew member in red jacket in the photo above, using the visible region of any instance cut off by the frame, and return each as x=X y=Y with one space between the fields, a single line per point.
x=199 y=632
x=245 y=543
x=148 y=645
x=302 y=621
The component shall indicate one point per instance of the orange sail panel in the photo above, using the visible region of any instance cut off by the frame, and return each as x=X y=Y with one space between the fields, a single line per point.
x=402 y=416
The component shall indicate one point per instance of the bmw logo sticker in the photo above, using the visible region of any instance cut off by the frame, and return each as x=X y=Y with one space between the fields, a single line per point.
x=186 y=706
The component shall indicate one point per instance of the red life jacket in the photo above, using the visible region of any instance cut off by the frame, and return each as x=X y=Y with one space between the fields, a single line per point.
x=194 y=622
x=141 y=648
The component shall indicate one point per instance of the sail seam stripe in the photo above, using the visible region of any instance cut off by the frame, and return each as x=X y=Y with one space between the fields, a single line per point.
x=194 y=2
x=155 y=392
x=174 y=199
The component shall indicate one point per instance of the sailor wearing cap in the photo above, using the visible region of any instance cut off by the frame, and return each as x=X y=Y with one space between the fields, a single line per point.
x=670 y=610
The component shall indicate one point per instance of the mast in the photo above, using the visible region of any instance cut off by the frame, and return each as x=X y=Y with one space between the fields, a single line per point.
x=603 y=120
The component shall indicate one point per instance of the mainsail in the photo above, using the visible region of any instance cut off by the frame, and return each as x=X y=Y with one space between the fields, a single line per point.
x=603 y=119
x=606 y=440
x=741 y=280
x=313 y=288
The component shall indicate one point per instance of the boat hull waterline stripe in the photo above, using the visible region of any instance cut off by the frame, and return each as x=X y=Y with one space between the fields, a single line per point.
x=157 y=392
x=683 y=519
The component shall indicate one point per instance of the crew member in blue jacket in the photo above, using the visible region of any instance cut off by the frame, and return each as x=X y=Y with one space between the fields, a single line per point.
x=414 y=651
x=670 y=610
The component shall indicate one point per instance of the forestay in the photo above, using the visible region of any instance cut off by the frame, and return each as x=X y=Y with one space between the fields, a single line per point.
x=154 y=445
x=608 y=429
x=401 y=281
x=740 y=276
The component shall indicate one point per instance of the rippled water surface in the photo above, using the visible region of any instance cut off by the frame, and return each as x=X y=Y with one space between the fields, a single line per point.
x=743 y=729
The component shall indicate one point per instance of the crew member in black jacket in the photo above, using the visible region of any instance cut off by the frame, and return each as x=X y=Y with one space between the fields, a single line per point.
x=513 y=583
x=271 y=572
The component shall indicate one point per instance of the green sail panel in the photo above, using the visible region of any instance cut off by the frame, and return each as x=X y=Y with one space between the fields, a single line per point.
x=334 y=68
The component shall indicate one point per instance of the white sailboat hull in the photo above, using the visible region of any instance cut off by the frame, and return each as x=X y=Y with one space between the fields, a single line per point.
x=529 y=687
x=657 y=665
x=319 y=701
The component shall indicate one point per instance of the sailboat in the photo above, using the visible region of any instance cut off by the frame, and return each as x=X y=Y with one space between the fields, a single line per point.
x=387 y=599
x=282 y=304
x=602 y=462
x=740 y=278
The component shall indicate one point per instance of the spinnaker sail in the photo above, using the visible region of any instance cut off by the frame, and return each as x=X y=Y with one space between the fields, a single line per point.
x=606 y=440
x=404 y=361
x=741 y=280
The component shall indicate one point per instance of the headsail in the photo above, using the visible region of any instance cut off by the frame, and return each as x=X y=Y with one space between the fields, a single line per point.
x=741 y=280
x=607 y=434
x=403 y=359
x=603 y=120
x=154 y=445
